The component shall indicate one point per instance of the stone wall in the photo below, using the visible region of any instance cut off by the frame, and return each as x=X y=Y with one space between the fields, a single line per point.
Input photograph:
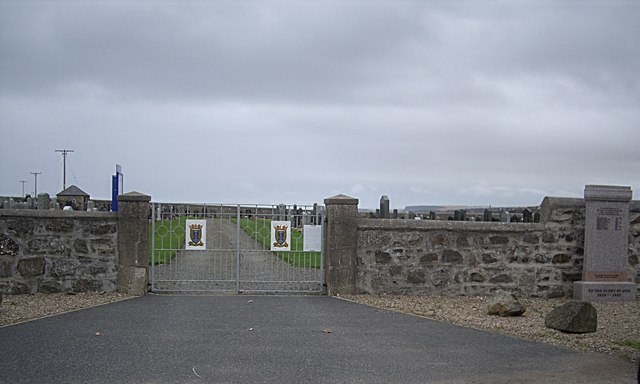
x=57 y=251
x=476 y=258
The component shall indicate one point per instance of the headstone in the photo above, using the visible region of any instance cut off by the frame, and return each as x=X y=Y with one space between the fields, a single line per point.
x=487 y=215
x=432 y=215
x=282 y=212
x=527 y=216
x=456 y=215
x=463 y=215
x=412 y=215
x=44 y=201
x=314 y=218
x=384 y=207
x=395 y=214
x=573 y=317
x=298 y=220
x=605 y=275
x=504 y=216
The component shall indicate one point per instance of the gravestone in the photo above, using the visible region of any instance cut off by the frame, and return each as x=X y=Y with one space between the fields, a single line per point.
x=432 y=215
x=504 y=216
x=487 y=215
x=605 y=275
x=456 y=215
x=527 y=216
x=463 y=215
x=395 y=214
x=384 y=207
x=44 y=201
x=314 y=217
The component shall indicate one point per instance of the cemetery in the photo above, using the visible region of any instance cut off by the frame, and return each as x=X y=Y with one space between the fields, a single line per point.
x=547 y=253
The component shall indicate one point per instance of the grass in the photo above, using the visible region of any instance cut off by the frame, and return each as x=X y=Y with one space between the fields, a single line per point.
x=169 y=238
x=260 y=229
x=635 y=344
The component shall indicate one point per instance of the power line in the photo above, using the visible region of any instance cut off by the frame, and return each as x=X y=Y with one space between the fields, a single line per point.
x=35 y=174
x=64 y=166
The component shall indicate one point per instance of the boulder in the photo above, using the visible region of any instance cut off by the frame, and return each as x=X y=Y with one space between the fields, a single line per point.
x=505 y=304
x=573 y=317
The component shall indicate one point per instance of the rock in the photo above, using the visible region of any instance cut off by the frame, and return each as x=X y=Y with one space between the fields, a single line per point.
x=573 y=317
x=505 y=304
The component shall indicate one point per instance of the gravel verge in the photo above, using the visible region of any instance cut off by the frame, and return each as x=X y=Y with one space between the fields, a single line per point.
x=18 y=308
x=618 y=330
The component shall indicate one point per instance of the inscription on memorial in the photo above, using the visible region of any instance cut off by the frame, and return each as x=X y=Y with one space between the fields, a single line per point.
x=613 y=292
x=607 y=215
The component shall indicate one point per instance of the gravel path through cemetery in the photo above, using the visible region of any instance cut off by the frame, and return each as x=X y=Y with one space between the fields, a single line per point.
x=216 y=267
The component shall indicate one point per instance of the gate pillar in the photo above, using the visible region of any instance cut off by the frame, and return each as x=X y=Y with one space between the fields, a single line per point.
x=133 y=243
x=341 y=244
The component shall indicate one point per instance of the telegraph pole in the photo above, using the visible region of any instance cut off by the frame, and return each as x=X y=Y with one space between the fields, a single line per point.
x=64 y=166
x=35 y=174
x=23 y=181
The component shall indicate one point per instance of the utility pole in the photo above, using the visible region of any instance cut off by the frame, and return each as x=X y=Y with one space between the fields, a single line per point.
x=23 y=181
x=35 y=174
x=64 y=166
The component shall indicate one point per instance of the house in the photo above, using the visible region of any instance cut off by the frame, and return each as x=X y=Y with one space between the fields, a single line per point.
x=74 y=197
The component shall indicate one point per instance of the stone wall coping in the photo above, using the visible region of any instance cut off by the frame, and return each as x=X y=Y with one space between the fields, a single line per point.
x=341 y=200
x=134 y=196
x=56 y=214
x=473 y=226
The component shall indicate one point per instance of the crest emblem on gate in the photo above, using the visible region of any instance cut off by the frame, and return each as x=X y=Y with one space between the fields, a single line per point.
x=195 y=234
x=281 y=236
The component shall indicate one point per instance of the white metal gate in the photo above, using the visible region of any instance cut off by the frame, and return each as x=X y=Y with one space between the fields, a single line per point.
x=237 y=255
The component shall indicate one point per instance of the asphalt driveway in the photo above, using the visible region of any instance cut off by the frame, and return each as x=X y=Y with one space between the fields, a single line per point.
x=278 y=339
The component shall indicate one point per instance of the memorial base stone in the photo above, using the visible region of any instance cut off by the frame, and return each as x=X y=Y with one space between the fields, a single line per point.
x=604 y=291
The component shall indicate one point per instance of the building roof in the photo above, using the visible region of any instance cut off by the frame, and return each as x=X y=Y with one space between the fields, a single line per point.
x=73 y=191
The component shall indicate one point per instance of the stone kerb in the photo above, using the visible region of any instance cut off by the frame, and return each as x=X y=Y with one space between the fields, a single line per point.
x=133 y=242
x=606 y=275
x=341 y=214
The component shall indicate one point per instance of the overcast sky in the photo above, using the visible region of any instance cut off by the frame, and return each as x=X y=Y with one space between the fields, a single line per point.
x=465 y=103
